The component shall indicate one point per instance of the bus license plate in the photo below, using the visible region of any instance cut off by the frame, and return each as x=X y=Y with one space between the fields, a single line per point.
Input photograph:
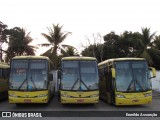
x=80 y=101
x=27 y=101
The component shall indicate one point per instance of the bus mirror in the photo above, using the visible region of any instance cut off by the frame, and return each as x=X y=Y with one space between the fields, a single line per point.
x=153 y=71
x=59 y=74
x=113 y=72
x=51 y=77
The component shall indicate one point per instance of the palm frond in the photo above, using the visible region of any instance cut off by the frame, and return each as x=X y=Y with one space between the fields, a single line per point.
x=44 y=45
x=49 y=38
x=63 y=37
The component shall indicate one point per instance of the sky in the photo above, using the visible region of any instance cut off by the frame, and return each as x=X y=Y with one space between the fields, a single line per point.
x=81 y=17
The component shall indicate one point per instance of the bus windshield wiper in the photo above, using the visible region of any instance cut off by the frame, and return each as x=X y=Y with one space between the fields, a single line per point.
x=84 y=84
x=74 y=84
x=22 y=83
x=139 y=84
x=33 y=82
x=130 y=85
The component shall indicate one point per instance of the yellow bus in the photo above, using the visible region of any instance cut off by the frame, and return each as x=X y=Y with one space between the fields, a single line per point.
x=4 y=76
x=79 y=80
x=31 y=80
x=126 y=81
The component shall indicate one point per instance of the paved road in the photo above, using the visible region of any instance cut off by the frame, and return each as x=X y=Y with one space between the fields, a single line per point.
x=55 y=106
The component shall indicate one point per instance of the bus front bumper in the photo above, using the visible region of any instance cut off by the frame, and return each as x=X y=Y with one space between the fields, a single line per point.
x=138 y=101
x=28 y=100
x=65 y=100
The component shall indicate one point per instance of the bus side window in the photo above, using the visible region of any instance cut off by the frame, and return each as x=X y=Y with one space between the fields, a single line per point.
x=112 y=79
x=109 y=77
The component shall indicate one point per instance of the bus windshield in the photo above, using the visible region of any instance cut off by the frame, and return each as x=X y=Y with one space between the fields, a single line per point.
x=79 y=75
x=28 y=75
x=89 y=75
x=132 y=76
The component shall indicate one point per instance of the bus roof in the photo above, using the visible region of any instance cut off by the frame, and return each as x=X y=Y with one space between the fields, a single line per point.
x=119 y=59
x=30 y=57
x=4 y=65
x=79 y=58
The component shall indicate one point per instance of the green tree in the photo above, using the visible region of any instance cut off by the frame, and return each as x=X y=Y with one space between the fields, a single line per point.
x=129 y=43
x=19 y=41
x=155 y=55
x=113 y=46
x=145 y=43
x=89 y=51
x=155 y=52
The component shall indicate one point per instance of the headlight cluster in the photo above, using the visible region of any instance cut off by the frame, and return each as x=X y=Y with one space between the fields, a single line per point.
x=120 y=96
x=64 y=95
x=12 y=95
x=42 y=95
x=147 y=94
x=95 y=95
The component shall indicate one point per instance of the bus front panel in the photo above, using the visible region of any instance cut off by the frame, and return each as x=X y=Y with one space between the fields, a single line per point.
x=133 y=98
x=28 y=97
x=79 y=97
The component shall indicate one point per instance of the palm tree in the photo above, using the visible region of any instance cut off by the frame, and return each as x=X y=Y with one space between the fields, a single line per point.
x=55 y=37
x=145 y=43
x=68 y=50
x=19 y=42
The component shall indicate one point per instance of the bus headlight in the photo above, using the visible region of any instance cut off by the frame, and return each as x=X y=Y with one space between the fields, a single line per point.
x=120 y=96
x=96 y=95
x=42 y=95
x=12 y=95
x=64 y=95
x=147 y=94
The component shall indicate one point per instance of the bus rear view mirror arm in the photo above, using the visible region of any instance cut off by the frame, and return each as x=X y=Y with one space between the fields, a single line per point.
x=153 y=70
x=113 y=72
